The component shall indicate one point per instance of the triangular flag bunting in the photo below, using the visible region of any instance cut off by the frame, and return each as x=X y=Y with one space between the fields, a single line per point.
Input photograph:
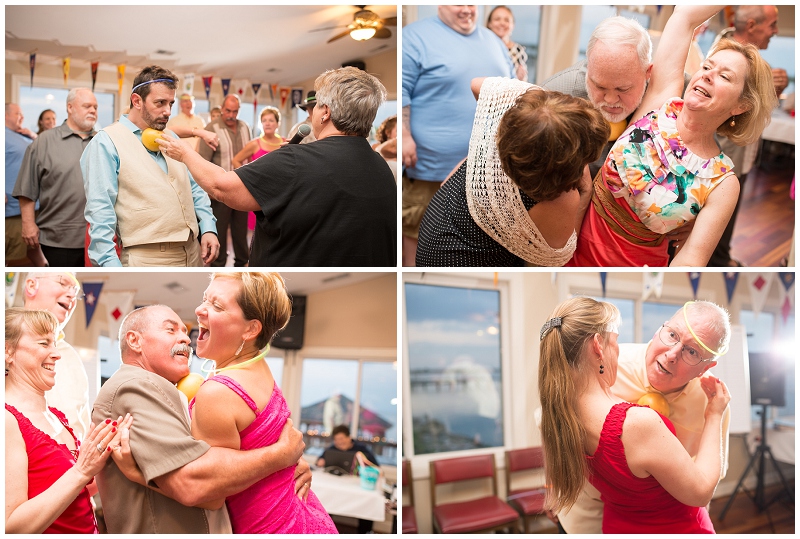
x=65 y=69
x=12 y=279
x=33 y=65
x=92 y=292
x=226 y=86
x=95 y=65
x=207 y=86
x=694 y=278
x=653 y=284
x=730 y=283
x=759 y=284
x=118 y=304
x=603 y=276
x=188 y=84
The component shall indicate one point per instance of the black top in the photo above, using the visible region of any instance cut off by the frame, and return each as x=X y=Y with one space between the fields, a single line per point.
x=448 y=236
x=357 y=446
x=332 y=202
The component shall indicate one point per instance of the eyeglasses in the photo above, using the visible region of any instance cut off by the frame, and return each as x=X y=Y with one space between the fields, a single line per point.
x=68 y=285
x=689 y=355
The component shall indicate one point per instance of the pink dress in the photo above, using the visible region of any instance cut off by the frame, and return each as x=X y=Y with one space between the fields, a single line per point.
x=635 y=504
x=270 y=505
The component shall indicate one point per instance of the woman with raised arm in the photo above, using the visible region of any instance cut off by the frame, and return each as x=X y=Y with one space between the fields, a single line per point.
x=647 y=480
x=667 y=167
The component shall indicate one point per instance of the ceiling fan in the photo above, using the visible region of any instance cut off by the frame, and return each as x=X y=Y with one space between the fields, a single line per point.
x=366 y=25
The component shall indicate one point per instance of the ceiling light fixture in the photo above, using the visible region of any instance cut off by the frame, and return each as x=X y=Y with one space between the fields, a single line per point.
x=362 y=34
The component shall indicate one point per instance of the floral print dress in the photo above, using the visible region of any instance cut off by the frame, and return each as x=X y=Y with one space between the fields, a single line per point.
x=658 y=182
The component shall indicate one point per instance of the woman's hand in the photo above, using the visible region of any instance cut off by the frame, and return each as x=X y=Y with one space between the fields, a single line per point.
x=173 y=147
x=96 y=447
x=302 y=479
x=717 y=393
x=211 y=139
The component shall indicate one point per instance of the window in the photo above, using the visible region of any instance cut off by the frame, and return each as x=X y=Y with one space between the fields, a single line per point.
x=780 y=53
x=654 y=315
x=764 y=337
x=331 y=391
x=34 y=100
x=626 y=309
x=591 y=17
x=454 y=362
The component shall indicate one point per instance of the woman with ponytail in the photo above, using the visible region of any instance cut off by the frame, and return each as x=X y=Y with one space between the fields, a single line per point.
x=648 y=481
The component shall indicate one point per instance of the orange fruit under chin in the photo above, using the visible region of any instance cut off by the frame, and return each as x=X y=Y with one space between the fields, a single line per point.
x=189 y=384
x=149 y=137
x=656 y=401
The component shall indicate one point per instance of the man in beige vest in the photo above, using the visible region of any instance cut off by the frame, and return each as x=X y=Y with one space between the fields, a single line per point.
x=150 y=201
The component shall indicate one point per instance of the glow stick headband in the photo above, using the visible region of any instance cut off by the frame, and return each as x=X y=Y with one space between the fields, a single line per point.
x=150 y=82
x=696 y=338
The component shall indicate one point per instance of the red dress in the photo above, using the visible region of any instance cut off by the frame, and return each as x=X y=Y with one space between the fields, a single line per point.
x=634 y=504
x=48 y=460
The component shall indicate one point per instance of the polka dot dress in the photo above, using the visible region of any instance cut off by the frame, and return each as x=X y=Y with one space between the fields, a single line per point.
x=449 y=237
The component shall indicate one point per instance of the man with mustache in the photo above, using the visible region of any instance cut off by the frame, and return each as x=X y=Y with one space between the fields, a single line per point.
x=178 y=484
x=151 y=201
x=50 y=173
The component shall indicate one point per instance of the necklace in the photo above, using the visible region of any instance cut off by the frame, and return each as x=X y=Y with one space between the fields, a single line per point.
x=271 y=143
x=242 y=365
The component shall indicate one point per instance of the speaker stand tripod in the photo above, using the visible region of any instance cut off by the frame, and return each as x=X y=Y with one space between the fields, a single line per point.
x=761 y=453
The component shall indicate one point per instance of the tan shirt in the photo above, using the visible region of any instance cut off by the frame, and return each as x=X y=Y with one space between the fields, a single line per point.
x=182 y=120
x=687 y=409
x=161 y=442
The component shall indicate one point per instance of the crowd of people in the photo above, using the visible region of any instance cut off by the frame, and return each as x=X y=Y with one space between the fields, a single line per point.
x=227 y=461
x=626 y=190
x=76 y=196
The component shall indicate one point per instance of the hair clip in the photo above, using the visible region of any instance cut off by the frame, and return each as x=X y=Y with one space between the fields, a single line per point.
x=550 y=324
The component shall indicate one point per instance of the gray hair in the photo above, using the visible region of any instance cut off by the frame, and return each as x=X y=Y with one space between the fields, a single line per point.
x=74 y=93
x=353 y=96
x=744 y=14
x=714 y=318
x=621 y=31
x=136 y=320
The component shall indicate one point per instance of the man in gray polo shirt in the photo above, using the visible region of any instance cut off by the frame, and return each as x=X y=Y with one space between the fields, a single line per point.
x=51 y=173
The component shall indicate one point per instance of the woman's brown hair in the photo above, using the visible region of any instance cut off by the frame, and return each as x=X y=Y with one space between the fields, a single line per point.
x=562 y=376
x=546 y=139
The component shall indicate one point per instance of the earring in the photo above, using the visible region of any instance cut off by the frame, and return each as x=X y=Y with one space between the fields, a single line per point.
x=239 y=350
x=601 y=368
x=733 y=121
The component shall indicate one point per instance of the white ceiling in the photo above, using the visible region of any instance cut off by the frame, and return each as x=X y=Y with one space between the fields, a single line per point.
x=183 y=291
x=268 y=44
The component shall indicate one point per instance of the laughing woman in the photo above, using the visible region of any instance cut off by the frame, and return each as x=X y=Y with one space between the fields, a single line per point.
x=244 y=408
x=48 y=472
x=666 y=169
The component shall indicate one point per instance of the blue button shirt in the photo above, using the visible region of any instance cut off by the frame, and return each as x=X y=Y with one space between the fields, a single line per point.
x=16 y=145
x=100 y=167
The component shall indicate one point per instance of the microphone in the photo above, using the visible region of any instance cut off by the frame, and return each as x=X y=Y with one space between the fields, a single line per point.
x=302 y=132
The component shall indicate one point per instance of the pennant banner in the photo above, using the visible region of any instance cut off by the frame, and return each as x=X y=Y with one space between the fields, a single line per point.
x=118 y=304
x=92 y=291
x=284 y=96
x=12 y=279
x=226 y=86
x=65 y=69
x=207 y=86
x=240 y=86
x=653 y=283
x=33 y=66
x=188 y=84
x=603 y=275
x=95 y=65
x=120 y=76
x=730 y=283
x=694 y=278
x=273 y=90
x=759 y=284
x=787 y=294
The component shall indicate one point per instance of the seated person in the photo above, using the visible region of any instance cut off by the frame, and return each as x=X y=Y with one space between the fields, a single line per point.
x=343 y=442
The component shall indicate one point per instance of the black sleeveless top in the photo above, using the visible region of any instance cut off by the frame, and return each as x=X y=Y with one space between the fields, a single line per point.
x=449 y=237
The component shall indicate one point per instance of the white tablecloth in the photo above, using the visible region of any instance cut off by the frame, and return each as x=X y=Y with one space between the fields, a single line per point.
x=343 y=495
x=781 y=128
